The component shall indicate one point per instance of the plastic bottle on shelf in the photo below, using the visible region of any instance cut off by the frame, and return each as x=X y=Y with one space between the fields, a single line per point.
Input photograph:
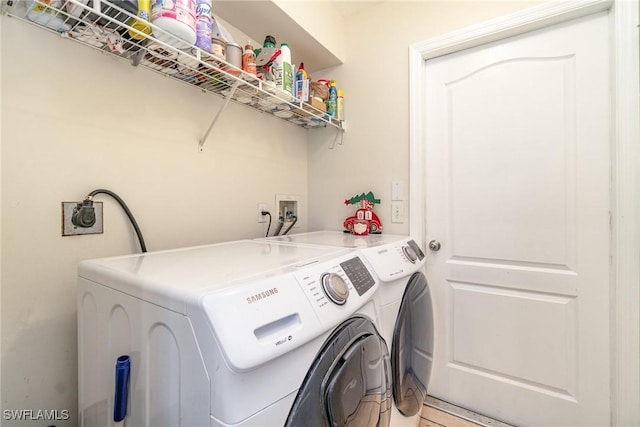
x=269 y=76
x=278 y=70
x=177 y=18
x=269 y=41
x=332 y=102
x=340 y=105
x=42 y=14
x=249 y=60
x=301 y=76
x=204 y=25
x=142 y=23
x=287 y=69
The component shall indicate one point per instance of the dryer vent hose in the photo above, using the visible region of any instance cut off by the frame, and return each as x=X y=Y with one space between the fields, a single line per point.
x=88 y=206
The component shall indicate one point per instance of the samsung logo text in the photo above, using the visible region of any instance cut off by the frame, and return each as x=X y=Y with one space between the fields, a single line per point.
x=262 y=295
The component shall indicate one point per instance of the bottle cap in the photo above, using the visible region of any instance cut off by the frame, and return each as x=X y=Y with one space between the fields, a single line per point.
x=269 y=41
x=340 y=92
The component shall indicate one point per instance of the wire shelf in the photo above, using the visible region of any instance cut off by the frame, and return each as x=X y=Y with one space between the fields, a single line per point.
x=109 y=27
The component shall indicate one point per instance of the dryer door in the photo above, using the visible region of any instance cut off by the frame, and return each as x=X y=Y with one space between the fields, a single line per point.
x=412 y=347
x=348 y=383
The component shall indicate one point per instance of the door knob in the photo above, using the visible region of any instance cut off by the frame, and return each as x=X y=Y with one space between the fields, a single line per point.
x=434 y=245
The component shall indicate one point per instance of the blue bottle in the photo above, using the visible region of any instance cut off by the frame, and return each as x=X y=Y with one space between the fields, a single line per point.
x=332 y=102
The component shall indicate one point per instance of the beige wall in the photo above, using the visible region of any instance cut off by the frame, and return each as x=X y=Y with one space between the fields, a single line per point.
x=1 y=401
x=375 y=79
x=74 y=120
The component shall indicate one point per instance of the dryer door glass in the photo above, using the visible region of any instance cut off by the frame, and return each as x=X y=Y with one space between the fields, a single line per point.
x=348 y=383
x=412 y=347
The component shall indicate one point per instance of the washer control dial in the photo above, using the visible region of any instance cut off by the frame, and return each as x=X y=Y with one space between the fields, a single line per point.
x=410 y=254
x=335 y=288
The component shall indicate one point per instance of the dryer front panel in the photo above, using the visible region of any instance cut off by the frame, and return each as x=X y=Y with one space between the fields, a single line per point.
x=412 y=347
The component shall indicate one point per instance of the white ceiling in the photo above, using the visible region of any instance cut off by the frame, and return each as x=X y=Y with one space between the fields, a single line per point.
x=268 y=18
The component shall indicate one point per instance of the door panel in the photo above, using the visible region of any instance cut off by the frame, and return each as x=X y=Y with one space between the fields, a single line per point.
x=517 y=326
x=517 y=171
x=538 y=160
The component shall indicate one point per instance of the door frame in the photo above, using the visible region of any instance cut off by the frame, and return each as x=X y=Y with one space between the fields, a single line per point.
x=625 y=156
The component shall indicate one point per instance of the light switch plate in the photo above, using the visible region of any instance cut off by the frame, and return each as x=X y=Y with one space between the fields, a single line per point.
x=396 y=191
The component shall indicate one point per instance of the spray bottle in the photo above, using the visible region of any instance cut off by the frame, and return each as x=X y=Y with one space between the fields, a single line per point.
x=332 y=102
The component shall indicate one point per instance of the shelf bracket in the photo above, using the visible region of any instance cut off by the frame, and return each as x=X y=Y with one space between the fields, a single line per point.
x=137 y=58
x=215 y=119
x=340 y=132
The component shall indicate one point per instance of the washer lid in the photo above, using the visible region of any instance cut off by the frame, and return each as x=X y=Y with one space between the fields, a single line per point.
x=348 y=381
x=337 y=239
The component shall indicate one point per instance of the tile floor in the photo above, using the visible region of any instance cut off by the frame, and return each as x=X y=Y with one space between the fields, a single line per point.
x=437 y=413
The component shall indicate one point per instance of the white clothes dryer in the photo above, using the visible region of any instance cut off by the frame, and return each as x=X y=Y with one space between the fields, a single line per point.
x=404 y=309
x=243 y=333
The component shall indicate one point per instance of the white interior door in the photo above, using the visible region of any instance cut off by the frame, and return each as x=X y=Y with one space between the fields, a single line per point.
x=517 y=181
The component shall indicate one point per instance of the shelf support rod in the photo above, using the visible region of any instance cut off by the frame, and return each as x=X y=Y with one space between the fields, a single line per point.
x=215 y=119
x=340 y=131
x=335 y=138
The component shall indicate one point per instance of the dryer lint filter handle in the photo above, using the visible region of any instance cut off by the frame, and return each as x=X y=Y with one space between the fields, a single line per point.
x=395 y=261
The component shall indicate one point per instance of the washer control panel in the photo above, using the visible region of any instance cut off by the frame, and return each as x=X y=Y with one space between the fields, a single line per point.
x=395 y=260
x=412 y=252
x=360 y=277
x=337 y=287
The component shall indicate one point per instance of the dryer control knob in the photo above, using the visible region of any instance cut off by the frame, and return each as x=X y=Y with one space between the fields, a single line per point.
x=335 y=288
x=410 y=254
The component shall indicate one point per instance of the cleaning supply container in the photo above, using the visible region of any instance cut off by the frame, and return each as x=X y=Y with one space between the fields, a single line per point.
x=234 y=57
x=204 y=25
x=175 y=18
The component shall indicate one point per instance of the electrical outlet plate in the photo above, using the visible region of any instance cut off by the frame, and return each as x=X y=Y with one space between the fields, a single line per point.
x=397 y=212
x=68 y=229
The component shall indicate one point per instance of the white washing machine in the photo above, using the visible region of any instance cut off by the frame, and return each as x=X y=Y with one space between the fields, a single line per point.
x=243 y=333
x=404 y=308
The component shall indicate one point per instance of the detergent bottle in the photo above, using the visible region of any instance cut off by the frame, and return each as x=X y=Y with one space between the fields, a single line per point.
x=286 y=69
x=301 y=77
x=249 y=60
